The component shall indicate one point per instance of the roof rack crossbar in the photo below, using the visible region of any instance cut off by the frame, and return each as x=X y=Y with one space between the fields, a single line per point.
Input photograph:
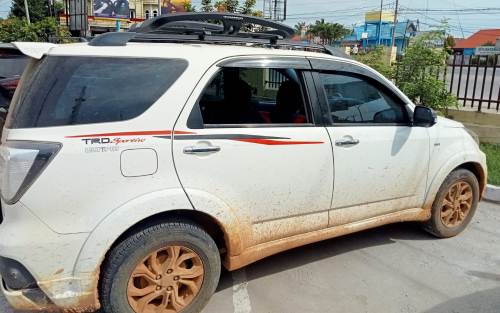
x=191 y=26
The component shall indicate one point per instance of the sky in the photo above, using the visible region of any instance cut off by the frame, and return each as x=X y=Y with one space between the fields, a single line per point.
x=462 y=21
x=465 y=16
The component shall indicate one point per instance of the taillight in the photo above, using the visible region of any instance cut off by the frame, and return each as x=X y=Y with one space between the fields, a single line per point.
x=10 y=84
x=21 y=162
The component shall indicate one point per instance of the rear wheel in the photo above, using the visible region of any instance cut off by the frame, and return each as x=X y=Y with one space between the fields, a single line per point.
x=455 y=204
x=166 y=268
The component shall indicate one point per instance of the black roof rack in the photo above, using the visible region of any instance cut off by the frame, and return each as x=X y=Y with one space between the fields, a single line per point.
x=232 y=23
x=216 y=28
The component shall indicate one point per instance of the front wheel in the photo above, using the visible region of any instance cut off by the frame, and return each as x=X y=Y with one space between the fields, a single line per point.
x=165 y=268
x=455 y=204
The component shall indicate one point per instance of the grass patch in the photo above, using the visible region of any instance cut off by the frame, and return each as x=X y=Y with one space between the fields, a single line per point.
x=493 y=160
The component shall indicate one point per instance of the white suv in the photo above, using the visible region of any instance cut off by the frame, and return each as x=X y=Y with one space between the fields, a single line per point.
x=135 y=165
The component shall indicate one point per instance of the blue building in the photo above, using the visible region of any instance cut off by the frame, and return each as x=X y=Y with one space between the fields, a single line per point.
x=375 y=32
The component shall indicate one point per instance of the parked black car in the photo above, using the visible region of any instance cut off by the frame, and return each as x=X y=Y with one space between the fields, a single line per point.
x=12 y=64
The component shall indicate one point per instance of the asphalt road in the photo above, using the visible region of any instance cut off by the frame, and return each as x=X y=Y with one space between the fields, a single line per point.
x=396 y=268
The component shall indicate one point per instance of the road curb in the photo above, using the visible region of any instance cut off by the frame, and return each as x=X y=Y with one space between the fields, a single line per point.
x=492 y=194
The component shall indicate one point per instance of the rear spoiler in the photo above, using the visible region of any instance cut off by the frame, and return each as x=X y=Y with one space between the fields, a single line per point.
x=34 y=49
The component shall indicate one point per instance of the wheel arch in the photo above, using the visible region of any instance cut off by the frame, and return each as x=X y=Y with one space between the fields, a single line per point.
x=470 y=161
x=479 y=172
x=207 y=222
x=161 y=205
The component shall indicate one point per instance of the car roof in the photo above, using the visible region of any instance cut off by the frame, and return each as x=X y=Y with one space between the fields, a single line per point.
x=189 y=50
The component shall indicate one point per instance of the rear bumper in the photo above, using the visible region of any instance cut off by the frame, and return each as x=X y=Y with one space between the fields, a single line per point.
x=26 y=300
x=38 y=264
x=36 y=300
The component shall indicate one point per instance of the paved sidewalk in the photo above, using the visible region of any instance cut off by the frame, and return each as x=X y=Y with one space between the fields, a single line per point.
x=492 y=194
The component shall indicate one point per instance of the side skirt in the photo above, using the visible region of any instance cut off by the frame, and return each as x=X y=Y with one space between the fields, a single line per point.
x=264 y=250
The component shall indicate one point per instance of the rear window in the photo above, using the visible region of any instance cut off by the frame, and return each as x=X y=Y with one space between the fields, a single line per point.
x=63 y=90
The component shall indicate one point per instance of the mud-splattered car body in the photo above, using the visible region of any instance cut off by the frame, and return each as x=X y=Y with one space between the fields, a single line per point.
x=257 y=189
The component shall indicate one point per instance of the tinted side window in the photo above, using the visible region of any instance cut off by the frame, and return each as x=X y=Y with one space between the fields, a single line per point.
x=355 y=100
x=254 y=96
x=83 y=90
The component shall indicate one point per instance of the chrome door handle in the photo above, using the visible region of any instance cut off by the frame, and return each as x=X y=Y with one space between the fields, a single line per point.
x=346 y=142
x=195 y=150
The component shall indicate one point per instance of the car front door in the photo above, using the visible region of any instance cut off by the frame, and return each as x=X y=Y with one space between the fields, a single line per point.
x=381 y=161
x=249 y=140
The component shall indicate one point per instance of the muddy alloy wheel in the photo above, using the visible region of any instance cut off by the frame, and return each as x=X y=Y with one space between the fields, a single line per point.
x=456 y=204
x=166 y=281
x=163 y=267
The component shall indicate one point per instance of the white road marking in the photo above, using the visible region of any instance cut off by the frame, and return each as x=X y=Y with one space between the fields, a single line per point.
x=241 y=299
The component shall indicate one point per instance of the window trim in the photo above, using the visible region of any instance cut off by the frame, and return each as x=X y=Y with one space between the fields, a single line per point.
x=263 y=62
x=376 y=83
x=195 y=118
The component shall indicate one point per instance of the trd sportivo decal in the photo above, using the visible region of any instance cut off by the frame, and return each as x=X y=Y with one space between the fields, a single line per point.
x=262 y=140
x=116 y=138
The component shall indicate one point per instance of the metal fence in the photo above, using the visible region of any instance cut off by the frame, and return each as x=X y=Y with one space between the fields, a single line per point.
x=475 y=81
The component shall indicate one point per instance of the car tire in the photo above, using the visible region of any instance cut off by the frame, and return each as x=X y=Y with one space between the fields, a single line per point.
x=455 y=204
x=170 y=248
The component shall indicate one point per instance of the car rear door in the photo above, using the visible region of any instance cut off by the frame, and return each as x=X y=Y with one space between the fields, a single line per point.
x=248 y=141
x=381 y=161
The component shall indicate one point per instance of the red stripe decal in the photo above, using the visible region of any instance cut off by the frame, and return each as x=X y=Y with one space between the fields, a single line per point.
x=271 y=142
x=138 y=133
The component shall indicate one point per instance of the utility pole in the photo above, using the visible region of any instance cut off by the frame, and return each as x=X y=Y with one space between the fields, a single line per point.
x=393 y=42
x=27 y=11
x=380 y=23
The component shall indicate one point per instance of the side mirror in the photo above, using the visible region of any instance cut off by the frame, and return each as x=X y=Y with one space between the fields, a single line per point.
x=424 y=117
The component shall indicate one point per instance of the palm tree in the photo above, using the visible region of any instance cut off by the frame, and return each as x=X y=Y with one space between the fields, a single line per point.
x=206 y=6
x=299 y=27
x=328 y=32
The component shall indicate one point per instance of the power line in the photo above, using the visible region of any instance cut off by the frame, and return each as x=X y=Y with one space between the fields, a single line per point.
x=474 y=10
x=459 y=20
x=393 y=40
x=352 y=10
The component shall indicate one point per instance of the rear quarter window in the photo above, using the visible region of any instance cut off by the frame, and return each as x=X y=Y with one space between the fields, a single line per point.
x=68 y=90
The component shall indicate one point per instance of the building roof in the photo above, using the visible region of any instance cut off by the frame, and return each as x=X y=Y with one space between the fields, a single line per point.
x=479 y=39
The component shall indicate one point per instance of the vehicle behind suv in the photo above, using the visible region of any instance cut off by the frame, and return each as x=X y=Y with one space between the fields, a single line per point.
x=12 y=64
x=135 y=166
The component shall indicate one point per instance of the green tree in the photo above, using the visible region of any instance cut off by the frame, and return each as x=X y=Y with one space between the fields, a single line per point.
x=377 y=59
x=248 y=7
x=47 y=29
x=299 y=27
x=39 y=9
x=328 y=32
x=417 y=74
x=206 y=6
x=16 y=29
x=189 y=7
x=227 y=5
